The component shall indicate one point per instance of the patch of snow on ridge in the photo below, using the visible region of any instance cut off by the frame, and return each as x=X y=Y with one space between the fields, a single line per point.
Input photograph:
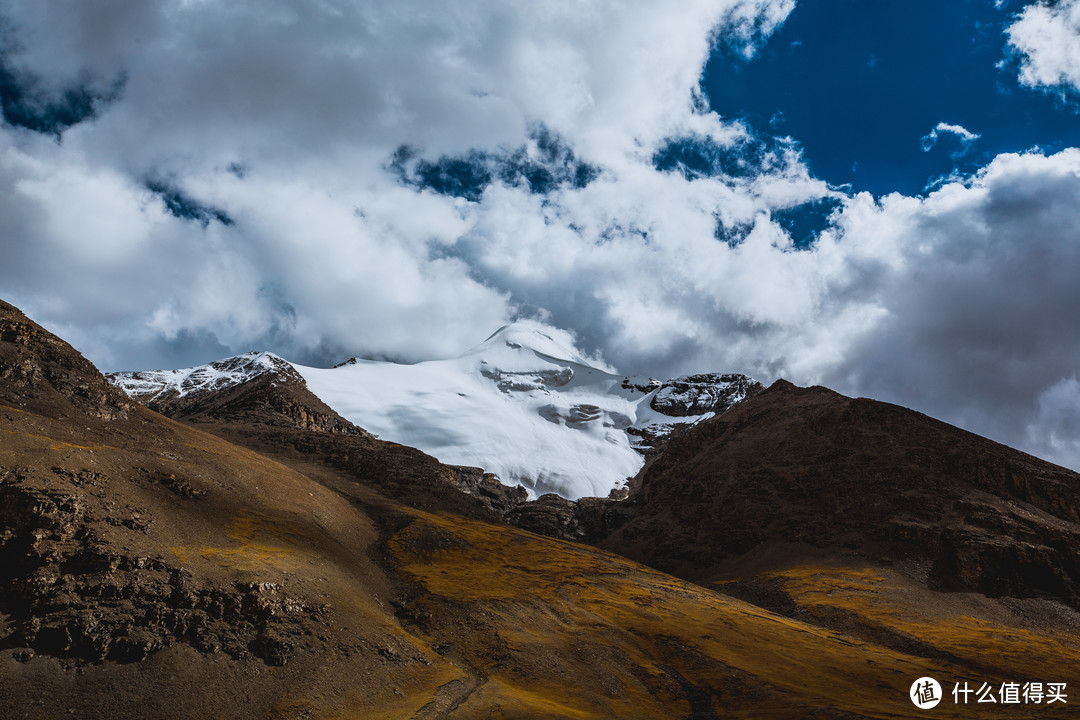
x=161 y=384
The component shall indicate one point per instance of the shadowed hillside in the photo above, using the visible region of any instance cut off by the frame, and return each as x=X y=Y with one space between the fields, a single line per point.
x=856 y=479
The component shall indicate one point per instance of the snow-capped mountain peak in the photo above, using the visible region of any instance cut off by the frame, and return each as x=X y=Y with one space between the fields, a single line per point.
x=218 y=375
x=525 y=404
x=532 y=337
x=527 y=356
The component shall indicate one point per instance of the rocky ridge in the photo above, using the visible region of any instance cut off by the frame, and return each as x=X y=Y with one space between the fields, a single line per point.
x=858 y=478
x=35 y=365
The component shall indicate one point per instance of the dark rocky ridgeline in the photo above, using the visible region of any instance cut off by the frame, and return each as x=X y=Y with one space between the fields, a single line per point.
x=854 y=478
x=39 y=369
x=273 y=400
x=844 y=480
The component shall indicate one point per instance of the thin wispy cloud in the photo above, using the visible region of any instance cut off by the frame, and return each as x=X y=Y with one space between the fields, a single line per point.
x=965 y=137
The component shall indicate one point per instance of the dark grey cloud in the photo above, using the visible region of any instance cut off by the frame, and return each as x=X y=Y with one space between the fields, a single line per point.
x=24 y=104
x=181 y=205
x=980 y=318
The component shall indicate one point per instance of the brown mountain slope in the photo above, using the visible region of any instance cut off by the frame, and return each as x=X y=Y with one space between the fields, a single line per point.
x=856 y=478
x=841 y=591
x=150 y=570
x=867 y=519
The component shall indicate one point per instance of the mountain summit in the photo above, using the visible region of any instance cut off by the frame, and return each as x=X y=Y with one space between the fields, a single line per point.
x=525 y=404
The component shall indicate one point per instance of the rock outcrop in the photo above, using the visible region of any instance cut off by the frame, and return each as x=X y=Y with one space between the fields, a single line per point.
x=690 y=397
x=580 y=520
x=75 y=595
x=705 y=393
x=37 y=366
x=484 y=486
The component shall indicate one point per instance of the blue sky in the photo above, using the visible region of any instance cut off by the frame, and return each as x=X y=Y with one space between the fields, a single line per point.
x=859 y=83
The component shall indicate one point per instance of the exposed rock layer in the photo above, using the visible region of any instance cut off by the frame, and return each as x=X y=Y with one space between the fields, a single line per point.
x=36 y=365
x=704 y=393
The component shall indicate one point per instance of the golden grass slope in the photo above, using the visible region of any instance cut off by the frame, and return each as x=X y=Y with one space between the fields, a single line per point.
x=557 y=630
x=258 y=522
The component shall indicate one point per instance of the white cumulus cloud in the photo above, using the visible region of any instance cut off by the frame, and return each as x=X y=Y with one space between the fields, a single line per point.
x=1047 y=36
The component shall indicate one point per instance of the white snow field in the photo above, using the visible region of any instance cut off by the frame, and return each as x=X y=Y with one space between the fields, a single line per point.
x=519 y=405
x=522 y=405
